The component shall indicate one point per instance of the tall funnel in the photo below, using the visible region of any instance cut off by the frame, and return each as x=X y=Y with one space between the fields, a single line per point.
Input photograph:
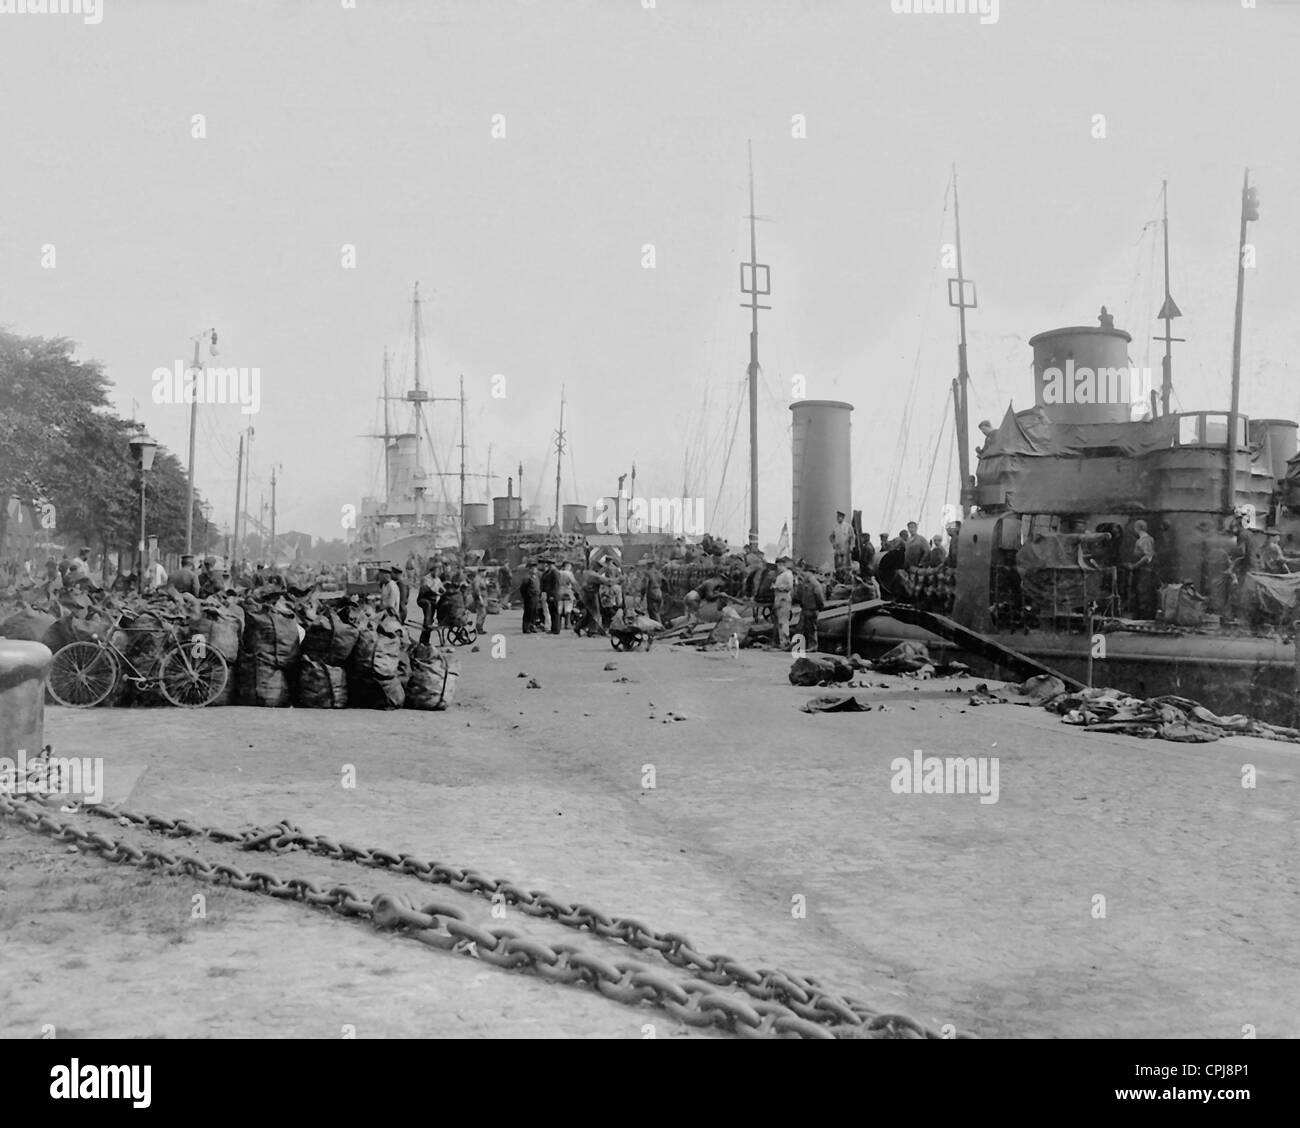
x=1082 y=374
x=823 y=476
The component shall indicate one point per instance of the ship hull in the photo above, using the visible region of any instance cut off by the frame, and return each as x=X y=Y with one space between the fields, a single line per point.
x=1226 y=673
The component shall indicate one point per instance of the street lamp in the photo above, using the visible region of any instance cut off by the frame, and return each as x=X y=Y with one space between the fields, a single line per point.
x=143 y=449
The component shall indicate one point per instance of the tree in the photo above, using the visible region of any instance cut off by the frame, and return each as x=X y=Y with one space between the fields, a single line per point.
x=60 y=441
x=46 y=397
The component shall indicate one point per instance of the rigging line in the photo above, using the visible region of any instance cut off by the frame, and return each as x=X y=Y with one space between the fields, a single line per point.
x=943 y=422
x=900 y=449
x=725 y=463
x=947 y=474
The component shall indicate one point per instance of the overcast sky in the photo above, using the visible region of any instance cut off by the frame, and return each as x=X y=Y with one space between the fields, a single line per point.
x=626 y=126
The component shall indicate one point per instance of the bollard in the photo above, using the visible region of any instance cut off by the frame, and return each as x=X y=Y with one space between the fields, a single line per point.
x=23 y=669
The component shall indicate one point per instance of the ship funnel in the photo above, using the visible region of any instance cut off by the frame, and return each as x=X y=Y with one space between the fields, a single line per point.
x=1082 y=374
x=823 y=475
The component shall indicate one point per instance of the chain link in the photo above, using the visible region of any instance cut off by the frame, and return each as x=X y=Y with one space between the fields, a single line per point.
x=781 y=1004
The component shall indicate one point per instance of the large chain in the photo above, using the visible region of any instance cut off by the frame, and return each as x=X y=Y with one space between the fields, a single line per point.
x=784 y=1004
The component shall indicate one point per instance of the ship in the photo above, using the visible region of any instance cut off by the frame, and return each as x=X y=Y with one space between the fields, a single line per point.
x=1042 y=577
x=414 y=517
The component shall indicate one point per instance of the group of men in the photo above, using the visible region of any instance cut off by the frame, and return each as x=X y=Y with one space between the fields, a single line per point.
x=560 y=595
x=444 y=597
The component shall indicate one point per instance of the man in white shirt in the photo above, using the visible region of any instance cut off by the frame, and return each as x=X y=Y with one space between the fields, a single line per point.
x=390 y=595
x=782 y=600
x=155 y=573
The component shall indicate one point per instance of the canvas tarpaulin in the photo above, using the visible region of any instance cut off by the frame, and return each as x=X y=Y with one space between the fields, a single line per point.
x=1272 y=597
x=1030 y=434
x=1053 y=578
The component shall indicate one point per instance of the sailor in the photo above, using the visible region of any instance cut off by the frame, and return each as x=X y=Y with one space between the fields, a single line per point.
x=1142 y=589
x=917 y=548
x=841 y=539
x=782 y=599
x=812 y=600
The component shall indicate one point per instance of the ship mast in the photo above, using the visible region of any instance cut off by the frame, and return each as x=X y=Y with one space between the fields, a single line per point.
x=388 y=439
x=754 y=290
x=418 y=397
x=559 y=460
x=1167 y=313
x=959 y=385
x=462 y=467
x=1249 y=212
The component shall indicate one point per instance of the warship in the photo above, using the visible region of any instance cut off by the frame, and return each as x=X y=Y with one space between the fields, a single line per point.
x=1042 y=564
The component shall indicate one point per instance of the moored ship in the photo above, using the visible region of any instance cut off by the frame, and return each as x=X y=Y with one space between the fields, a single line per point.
x=1048 y=556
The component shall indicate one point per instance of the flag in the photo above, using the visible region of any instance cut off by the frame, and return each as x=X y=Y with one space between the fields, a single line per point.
x=783 y=543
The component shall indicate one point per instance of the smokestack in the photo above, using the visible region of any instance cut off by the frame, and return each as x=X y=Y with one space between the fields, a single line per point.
x=823 y=476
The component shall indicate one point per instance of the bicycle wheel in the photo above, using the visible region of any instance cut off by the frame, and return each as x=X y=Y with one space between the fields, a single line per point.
x=82 y=675
x=189 y=682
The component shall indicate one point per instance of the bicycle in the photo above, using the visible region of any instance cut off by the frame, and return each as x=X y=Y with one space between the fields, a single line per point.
x=190 y=675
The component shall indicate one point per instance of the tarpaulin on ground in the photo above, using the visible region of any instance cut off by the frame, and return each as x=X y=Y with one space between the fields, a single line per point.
x=1111 y=710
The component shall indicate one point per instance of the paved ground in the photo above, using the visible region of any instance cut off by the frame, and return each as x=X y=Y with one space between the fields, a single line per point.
x=955 y=911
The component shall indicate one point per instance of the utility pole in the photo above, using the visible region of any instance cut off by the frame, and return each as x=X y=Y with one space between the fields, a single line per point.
x=959 y=385
x=239 y=484
x=754 y=290
x=1168 y=311
x=1249 y=212
x=194 y=418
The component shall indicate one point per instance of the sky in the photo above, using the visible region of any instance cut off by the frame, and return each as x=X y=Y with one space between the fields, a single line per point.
x=517 y=157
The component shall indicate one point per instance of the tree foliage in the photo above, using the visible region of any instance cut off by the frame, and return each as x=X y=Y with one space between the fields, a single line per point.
x=61 y=442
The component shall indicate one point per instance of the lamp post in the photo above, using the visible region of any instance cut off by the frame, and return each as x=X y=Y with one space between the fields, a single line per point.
x=143 y=449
